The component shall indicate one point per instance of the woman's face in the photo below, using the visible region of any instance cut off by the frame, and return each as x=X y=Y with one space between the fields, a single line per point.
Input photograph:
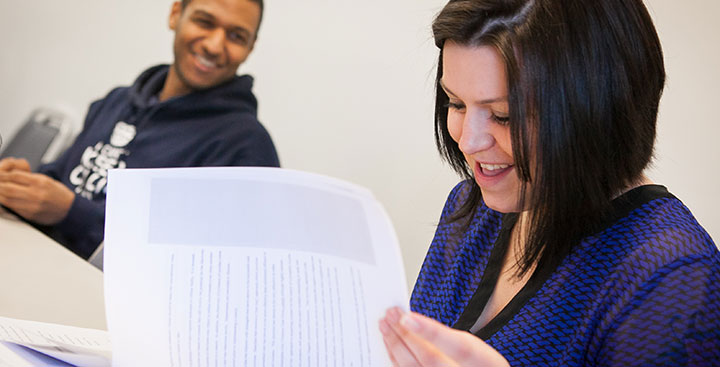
x=475 y=81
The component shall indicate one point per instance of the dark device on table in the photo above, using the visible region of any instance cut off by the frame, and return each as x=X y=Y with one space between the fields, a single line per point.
x=43 y=136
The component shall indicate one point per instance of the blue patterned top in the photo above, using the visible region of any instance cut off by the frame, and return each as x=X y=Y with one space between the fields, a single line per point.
x=644 y=291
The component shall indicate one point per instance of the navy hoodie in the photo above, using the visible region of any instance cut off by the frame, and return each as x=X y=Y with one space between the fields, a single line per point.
x=130 y=128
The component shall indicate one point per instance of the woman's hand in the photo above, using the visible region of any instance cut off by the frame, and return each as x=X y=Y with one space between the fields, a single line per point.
x=415 y=340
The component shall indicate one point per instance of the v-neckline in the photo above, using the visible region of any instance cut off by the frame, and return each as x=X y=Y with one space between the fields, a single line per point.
x=489 y=280
x=622 y=206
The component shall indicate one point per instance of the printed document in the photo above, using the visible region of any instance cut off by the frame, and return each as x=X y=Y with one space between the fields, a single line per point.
x=247 y=267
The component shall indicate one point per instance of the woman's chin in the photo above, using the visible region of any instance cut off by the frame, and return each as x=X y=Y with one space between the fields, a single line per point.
x=501 y=204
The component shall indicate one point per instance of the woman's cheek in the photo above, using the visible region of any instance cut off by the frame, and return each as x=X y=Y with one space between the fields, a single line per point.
x=454 y=124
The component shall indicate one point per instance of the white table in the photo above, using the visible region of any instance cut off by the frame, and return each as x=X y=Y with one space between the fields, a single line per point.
x=43 y=281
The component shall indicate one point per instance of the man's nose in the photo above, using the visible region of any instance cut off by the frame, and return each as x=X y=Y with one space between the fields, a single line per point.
x=214 y=42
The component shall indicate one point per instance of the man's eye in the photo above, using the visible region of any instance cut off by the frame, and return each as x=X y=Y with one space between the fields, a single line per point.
x=237 y=37
x=203 y=23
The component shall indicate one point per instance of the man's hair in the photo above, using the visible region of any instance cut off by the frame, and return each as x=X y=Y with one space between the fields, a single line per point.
x=258 y=2
x=584 y=83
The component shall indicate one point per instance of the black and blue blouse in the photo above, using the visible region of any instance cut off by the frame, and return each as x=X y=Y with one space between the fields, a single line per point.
x=643 y=291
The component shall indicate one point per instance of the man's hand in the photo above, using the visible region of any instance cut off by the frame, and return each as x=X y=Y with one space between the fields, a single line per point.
x=12 y=164
x=415 y=340
x=33 y=196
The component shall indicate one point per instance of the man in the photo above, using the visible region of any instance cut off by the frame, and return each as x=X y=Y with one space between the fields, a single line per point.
x=195 y=112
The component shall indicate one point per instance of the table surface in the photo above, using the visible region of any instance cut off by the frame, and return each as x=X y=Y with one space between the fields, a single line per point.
x=44 y=281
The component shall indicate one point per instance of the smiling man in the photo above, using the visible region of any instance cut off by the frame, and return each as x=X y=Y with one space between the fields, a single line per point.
x=195 y=112
x=212 y=39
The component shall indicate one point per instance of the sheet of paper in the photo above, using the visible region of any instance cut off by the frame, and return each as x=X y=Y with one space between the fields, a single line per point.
x=247 y=267
x=76 y=346
x=15 y=355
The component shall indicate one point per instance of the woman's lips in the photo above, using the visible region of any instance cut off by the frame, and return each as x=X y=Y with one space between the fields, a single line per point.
x=487 y=174
x=492 y=170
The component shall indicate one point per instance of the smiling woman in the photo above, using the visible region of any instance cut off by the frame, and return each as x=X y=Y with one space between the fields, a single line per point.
x=480 y=126
x=556 y=249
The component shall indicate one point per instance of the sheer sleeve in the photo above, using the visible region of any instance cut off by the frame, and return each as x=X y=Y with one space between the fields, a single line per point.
x=671 y=319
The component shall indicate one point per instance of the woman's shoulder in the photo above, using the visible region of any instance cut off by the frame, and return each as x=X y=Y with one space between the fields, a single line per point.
x=457 y=196
x=654 y=230
x=662 y=221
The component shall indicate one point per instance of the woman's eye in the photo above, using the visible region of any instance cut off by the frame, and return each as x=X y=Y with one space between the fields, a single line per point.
x=502 y=120
x=455 y=106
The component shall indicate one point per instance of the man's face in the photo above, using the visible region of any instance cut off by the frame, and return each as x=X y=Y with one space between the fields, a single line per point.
x=212 y=39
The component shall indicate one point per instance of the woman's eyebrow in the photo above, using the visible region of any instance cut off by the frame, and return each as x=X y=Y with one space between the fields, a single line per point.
x=484 y=101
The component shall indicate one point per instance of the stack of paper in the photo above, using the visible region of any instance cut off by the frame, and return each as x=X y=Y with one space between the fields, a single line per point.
x=29 y=343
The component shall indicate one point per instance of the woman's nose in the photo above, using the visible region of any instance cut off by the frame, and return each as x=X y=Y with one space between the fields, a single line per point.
x=476 y=134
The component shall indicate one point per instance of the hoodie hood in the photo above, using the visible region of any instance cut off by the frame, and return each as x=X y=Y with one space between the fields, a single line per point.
x=233 y=95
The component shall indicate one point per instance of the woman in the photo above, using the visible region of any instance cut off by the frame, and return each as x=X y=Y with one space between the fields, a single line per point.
x=556 y=249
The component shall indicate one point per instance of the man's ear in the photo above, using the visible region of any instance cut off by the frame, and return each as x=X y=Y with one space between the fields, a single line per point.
x=175 y=13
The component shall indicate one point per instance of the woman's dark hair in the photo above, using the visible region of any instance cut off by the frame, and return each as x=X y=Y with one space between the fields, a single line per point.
x=259 y=2
x=584 y=82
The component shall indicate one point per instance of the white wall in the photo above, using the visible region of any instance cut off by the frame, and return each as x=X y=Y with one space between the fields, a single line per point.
x=345 y=89
x=688 y=146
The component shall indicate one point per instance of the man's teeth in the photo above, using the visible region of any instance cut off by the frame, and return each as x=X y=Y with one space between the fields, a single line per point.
x=205 y=62
x=493 y=167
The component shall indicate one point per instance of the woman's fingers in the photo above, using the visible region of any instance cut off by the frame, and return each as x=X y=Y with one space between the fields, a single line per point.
x=463 y=348
x=407 y=348
x=415 y=340
x=398 y=351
